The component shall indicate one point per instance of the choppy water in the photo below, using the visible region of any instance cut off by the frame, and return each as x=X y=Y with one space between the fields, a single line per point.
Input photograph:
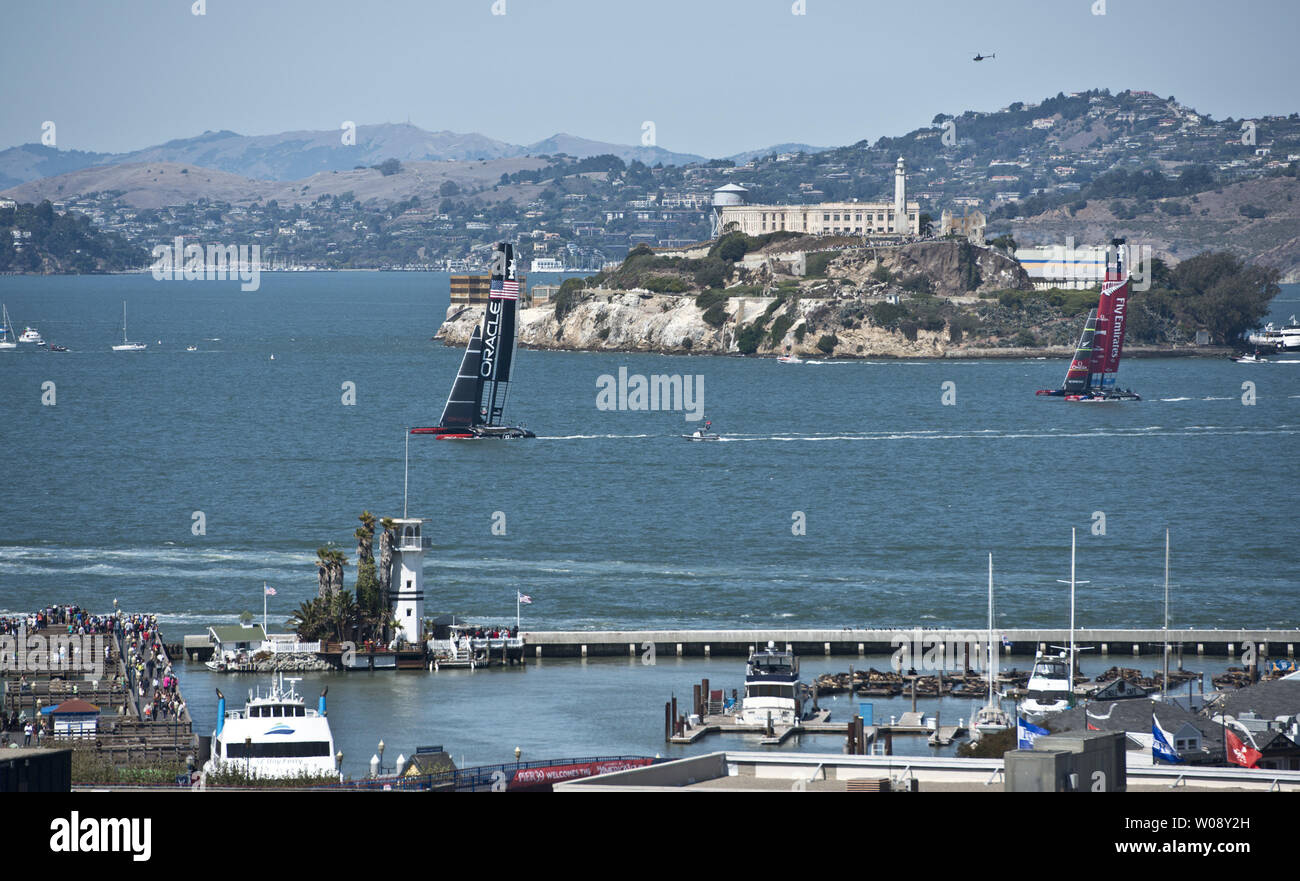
x=612 y=519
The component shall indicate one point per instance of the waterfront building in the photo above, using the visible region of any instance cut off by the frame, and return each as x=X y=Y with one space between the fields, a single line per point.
x=899 y=217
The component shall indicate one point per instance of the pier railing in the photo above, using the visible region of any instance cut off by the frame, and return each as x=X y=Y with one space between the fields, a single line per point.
x=279 y=647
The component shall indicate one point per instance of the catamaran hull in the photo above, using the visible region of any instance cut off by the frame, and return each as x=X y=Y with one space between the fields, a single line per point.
x=477 y=432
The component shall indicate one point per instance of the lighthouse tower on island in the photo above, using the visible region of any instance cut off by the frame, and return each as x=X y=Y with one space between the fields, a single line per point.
x=408 y=579
x=901 y=225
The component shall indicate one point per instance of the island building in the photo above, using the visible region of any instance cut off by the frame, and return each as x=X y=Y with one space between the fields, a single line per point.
x=473 y=290
x=900 y=217
x=1068 y=267
x=970 y=225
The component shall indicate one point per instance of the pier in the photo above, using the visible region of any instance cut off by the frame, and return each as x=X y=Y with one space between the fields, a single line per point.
x=882 y=641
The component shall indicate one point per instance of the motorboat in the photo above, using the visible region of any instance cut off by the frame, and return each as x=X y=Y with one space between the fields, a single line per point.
x=773 y=693
x=704 y=434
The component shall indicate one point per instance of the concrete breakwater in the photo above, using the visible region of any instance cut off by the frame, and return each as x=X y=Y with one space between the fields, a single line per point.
x=1019 y=641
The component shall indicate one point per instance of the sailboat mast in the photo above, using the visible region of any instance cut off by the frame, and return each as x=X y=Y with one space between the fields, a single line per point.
x=989 y=655
x=1073 y=533
x=1164 y=682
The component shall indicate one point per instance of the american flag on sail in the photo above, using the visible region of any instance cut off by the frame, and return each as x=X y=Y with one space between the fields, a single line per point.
x=504 y=289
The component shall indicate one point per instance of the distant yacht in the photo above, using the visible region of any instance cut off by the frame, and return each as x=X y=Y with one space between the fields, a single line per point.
x=29 y=335
x=547 y=264
x=6 y=335
x=1280 y=339
x=126 y=345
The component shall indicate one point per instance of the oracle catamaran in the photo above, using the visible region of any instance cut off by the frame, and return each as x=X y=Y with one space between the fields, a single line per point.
x=476 y=406
x=1092 y=371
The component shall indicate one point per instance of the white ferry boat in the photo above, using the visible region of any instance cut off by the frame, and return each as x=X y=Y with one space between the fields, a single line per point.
x=1049 y=689
x=773 y=695
x=547 y=264
x=274 y=735
x=1279 y=339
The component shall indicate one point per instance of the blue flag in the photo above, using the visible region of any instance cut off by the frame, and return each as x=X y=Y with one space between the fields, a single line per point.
x=1027 y=733
x=1160 y=748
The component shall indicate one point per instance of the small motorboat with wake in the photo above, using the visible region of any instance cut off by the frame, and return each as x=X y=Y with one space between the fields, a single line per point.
x=704 y=434
x=789 y=359
x=1248 y=358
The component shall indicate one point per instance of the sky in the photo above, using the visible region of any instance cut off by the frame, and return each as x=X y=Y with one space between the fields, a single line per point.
x=715 y=77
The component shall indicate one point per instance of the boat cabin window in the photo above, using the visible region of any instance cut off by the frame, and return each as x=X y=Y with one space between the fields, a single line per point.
x=769 y=690
x=1050 y=669
x=1047 y=697
x=278 y=749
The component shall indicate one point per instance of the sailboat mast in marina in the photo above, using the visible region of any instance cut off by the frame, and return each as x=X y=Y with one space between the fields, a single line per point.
x=475 y=407
x=991 y=717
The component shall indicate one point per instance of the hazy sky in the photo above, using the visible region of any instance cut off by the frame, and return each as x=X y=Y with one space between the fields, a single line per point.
x=715 y=76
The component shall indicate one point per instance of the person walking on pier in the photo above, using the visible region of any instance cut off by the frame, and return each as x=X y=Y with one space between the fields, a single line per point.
x=27 y=734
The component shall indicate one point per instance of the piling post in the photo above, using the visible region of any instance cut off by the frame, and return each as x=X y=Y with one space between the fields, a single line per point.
x=914 y=678
x=849 y=746
x=696 y=696
x=860 y=737
x=852 y=690
x=674 y=714
x=668 y=721
x=889 y=741
x=704 y=689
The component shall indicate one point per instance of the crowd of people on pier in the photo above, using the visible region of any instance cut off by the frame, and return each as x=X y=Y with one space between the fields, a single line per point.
x=152 y=676
x=67 y=618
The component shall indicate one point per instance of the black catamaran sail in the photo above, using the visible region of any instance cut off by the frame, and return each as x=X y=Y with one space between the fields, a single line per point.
x=476 y=406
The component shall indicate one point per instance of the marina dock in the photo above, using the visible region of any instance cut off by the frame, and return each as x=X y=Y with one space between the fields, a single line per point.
x=878 y=641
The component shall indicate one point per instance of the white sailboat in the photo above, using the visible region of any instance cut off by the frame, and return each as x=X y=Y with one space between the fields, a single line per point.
x=127 y=346
x=6 y=335
x=990 y=718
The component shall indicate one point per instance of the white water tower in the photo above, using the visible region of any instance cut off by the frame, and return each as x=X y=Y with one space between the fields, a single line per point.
x=408 y=579
x=724 y=197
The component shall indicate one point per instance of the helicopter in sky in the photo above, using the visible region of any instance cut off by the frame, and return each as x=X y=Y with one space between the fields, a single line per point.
x=979 y=57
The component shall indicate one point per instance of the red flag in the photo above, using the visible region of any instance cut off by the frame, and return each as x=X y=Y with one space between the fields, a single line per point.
x=1092 y=727
x=1239 y=753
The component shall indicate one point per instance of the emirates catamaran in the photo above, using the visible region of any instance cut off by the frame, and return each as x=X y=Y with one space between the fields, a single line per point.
x=476 y=406
x=1092 y=372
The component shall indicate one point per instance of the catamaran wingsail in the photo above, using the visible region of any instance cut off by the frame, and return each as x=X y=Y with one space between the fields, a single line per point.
x=1092 y=372
x=476 y=406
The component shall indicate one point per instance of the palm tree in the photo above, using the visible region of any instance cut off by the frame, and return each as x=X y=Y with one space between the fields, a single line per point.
x=365 y=538
x=385 y=574
x=343 y=614
x=322 y=572
x=329 y=571
x=309 y=620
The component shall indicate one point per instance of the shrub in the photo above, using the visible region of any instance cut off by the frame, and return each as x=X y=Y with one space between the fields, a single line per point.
x=665 y=284
x=715 y=315
x=750 y=338
x=815 y=264
x=828 y=343
x=881 y=274
x=800 y=332
x=780 y=328
x=886 y=314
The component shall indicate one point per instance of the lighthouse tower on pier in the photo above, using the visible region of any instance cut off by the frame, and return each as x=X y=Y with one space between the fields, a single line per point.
x=408 y=579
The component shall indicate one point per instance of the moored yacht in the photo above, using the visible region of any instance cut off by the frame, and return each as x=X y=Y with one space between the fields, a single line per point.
x=990 y=718
x=772 y=689
x=274 y=735
x=1050 y=689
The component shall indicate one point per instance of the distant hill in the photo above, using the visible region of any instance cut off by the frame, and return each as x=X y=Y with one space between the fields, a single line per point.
x=778 y=149
x=293 y=155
